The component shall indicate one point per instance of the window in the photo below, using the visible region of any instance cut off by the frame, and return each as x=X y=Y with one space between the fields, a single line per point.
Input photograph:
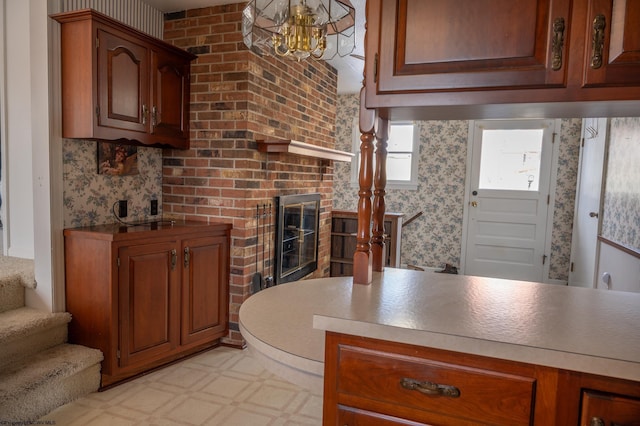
x=402 y=156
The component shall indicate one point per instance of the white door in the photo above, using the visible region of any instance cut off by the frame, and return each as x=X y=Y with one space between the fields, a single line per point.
x=586 y=220
x=508 y=199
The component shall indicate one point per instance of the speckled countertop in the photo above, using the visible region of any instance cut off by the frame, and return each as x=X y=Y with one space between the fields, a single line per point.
x=593 y=331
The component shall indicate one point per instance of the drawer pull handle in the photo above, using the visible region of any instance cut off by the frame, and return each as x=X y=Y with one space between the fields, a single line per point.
x=430 y=388
x=557 y=42
x=597 y=43
x=596 y=421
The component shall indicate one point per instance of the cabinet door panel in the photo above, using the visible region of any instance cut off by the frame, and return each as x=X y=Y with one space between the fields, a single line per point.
x=613 y=54
x=123 y=84
x=609 y=408
x=470 y=44
x=170 y=97
x=149 y=302
x=204 y=289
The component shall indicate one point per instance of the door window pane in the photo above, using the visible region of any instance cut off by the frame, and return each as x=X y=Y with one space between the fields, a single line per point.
x=510 y=159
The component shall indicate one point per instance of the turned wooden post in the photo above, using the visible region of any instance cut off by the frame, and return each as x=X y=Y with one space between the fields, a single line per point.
x=379 y=184
x=362 y=258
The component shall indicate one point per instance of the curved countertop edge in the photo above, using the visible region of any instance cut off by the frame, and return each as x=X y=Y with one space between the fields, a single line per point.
x=306 y=373
x=285 y=324
x=492 y=349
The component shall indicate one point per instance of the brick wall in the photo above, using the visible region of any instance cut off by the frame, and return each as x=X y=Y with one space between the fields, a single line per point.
x=238 y=97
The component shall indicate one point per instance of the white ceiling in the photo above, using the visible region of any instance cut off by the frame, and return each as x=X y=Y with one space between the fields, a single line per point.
x=349 y=68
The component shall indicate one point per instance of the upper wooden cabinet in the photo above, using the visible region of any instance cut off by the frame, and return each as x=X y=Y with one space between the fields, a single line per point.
x=470 y=57
x=613 y=49
x=118 y=83
x=469 y=44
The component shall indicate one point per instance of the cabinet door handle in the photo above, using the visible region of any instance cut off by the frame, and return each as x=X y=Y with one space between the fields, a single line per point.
x=154 y=116
x=557 y=43
x=187 y=256
x=597 y=44
x=430 y=388
x=145 y=114
x=174 y=259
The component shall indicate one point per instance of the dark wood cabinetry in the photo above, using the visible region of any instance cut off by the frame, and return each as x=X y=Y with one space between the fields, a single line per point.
x=612 y=53
x=118 y=83
x=344 y=225
x=374 y=382
x=541 y=55
x=146 y=295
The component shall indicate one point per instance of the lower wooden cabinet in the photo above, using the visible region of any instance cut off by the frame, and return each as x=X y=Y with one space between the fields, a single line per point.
x=147 y=295
x=374 y=382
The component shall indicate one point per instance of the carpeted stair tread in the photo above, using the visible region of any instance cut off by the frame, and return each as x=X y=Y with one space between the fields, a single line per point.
x=11 y=294
x=22 y=322
x=52 y=372
x=15 y=268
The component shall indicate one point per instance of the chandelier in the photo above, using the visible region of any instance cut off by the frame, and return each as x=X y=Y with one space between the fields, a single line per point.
x=298 y=29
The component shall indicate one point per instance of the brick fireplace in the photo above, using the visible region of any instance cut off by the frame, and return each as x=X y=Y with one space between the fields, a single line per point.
x=238 y=97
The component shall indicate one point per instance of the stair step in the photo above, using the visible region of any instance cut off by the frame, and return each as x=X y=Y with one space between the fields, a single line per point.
x=38 y=384
x=11 y=294
x=26 y=331
x=18 y=268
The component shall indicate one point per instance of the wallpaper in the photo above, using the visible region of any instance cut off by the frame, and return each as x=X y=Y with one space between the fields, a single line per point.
x=89 y=197
x=435 y=238
x=621 y=220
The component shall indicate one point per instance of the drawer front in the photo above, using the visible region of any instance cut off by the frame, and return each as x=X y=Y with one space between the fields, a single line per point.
x=601 y=408
x=403 y=384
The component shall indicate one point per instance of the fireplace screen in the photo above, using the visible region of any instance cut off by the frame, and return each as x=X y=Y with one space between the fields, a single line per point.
x=297 y=236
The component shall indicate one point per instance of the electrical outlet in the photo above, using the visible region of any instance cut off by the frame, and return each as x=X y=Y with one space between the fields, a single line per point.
x=154 y=207
x=122 y=208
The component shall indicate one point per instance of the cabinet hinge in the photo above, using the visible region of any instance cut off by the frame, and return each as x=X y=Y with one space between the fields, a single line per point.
x=544 y=259
x=553 y=137
x=97 y=111
x=582 y=143
x=97 y=42
x=548 y=199
x=571 y=270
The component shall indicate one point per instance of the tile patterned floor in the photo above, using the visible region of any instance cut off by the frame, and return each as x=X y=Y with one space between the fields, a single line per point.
x=223 y=386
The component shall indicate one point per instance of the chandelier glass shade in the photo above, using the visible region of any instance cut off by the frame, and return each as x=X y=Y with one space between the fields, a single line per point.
x=298 y=29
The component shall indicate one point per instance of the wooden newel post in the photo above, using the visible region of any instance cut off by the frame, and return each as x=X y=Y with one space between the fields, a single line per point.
x=362 y=258
x=379 y=183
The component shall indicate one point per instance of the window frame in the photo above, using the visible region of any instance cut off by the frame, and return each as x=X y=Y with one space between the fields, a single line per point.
x=412 y=184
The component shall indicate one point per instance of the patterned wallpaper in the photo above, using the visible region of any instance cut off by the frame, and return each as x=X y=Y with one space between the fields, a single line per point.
x=89 y=197
x=435 y=238
x=621 y=220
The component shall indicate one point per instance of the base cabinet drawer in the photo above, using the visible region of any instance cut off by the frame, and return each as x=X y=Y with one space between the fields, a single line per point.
x=378 y=382
x=432 y=390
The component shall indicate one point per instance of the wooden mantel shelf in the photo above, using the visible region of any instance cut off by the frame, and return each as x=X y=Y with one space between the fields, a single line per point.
x=301 y=148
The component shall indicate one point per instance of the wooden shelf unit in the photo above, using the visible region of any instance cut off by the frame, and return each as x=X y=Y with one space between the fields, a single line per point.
x=344 y=225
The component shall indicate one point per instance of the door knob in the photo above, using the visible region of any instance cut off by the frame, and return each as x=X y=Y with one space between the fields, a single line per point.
x=593 y=214
x=474 y=204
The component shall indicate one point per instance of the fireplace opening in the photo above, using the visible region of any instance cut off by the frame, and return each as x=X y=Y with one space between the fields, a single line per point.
x=297 y=223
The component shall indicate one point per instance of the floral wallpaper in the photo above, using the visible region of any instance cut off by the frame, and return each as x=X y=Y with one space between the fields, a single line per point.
x=621 y=219
x=435 y=238
x=90 y=197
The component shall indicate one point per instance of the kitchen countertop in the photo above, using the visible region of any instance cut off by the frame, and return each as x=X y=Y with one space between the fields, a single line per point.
x=586 y=330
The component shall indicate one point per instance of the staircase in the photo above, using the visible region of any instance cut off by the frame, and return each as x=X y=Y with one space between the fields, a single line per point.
x=39 y=371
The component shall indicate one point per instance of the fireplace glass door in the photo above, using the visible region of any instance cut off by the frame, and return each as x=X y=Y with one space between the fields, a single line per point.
x=297 y=237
